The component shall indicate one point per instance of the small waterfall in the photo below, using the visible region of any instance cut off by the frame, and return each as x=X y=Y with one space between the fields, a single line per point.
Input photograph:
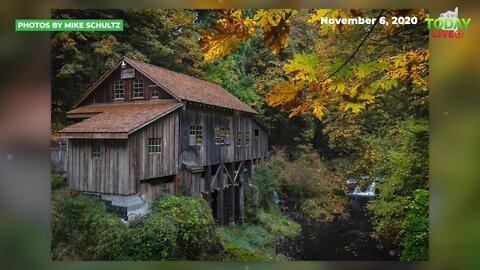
x=276 y=199
x=369 y=191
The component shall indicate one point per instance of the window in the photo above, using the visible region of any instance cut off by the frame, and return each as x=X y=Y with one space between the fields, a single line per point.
x=96 y=151
x=222 y=135
x=119 y=89
x=247 y=138
x=195 y=137
x=239 y=139
x=154 y=145
x=256 y=132
x=138 y=88
x=154 y=91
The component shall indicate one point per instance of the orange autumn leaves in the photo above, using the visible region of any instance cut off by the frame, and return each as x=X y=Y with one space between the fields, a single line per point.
x=310 y=86
x=232 y=27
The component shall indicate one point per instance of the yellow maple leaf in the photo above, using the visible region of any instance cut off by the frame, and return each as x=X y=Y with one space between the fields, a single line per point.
x=283 y=92
x=303 y=66
x=317 y=15
x=274 y=22
x=227 y=32
x=318 y=110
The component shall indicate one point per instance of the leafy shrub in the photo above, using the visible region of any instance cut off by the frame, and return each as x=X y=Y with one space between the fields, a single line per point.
x=178 y=228
x=193 y=222
x=78 y=221
x=264 y=180
x=414 y=229
x=57 y=181
x=309 y=184
x=401 y=156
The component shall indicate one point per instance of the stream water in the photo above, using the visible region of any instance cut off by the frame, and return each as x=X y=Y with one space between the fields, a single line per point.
x=341 y=239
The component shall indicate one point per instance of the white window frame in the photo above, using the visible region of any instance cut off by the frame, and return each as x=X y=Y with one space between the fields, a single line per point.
x=239 y=139
x=222 y=136
x=119 y=89
x=137 y=89
x=155 y=145
x=156 y=88
x=195 y=135
x=96 y=151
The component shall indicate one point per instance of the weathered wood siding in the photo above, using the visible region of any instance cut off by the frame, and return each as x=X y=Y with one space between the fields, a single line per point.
x=208 y=152
x=104 y=93
x=149 y=190
x=145 y=165
x=107 y=174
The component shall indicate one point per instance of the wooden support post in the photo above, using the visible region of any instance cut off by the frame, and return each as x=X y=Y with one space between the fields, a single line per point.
x=220 y=206
x=249 y=172
x=208 y=190
x=176 y=186
x=241 y=197
x=231 y=169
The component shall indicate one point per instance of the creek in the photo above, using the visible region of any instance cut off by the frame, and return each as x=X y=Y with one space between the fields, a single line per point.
x=342 y=239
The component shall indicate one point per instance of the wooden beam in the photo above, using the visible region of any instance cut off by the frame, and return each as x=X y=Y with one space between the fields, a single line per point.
x=238 y=171
x=176 y=186
x=230 y=169
x=216 y=174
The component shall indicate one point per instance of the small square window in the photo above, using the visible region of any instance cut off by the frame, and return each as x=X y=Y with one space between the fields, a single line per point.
x=96 y=151
x=256 y=132
x=154 y=145
x=154 y=91
x=222 y=135
x=239 y=139
x=195 y=137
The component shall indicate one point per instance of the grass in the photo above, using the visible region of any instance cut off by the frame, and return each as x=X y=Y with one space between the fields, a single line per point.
x=257 y=242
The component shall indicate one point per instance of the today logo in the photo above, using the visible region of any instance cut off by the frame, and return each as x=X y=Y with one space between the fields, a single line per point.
x=448 y=25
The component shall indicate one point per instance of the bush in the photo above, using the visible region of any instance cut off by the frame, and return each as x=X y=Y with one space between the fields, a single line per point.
x=178 y=228
x=414 y=229
x=193 y=222
x=78 y=222
x=57 y=181
x=264 y=180
x=310 y=186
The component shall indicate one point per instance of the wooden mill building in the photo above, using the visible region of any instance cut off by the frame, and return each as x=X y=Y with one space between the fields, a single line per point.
x=144 y=130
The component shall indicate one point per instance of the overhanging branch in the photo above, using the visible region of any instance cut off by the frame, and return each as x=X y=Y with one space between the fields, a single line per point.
x=358 y=47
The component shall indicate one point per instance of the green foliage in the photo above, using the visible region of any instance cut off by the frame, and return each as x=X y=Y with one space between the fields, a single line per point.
x=178 y=228
x=264 y=181
x=78 y=222
x=276 y=223
x=231 y=74
x=56 y=127
x=56 y=180
x=414 y=228
x=313 y=188
x=193 y=221
x=249 y=243
x=400 y=155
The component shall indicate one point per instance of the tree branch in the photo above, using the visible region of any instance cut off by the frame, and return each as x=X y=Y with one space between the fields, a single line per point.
x=358 y=47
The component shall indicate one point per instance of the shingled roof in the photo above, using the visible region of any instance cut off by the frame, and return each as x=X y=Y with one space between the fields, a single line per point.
x=184 y=87
x=117 y=120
